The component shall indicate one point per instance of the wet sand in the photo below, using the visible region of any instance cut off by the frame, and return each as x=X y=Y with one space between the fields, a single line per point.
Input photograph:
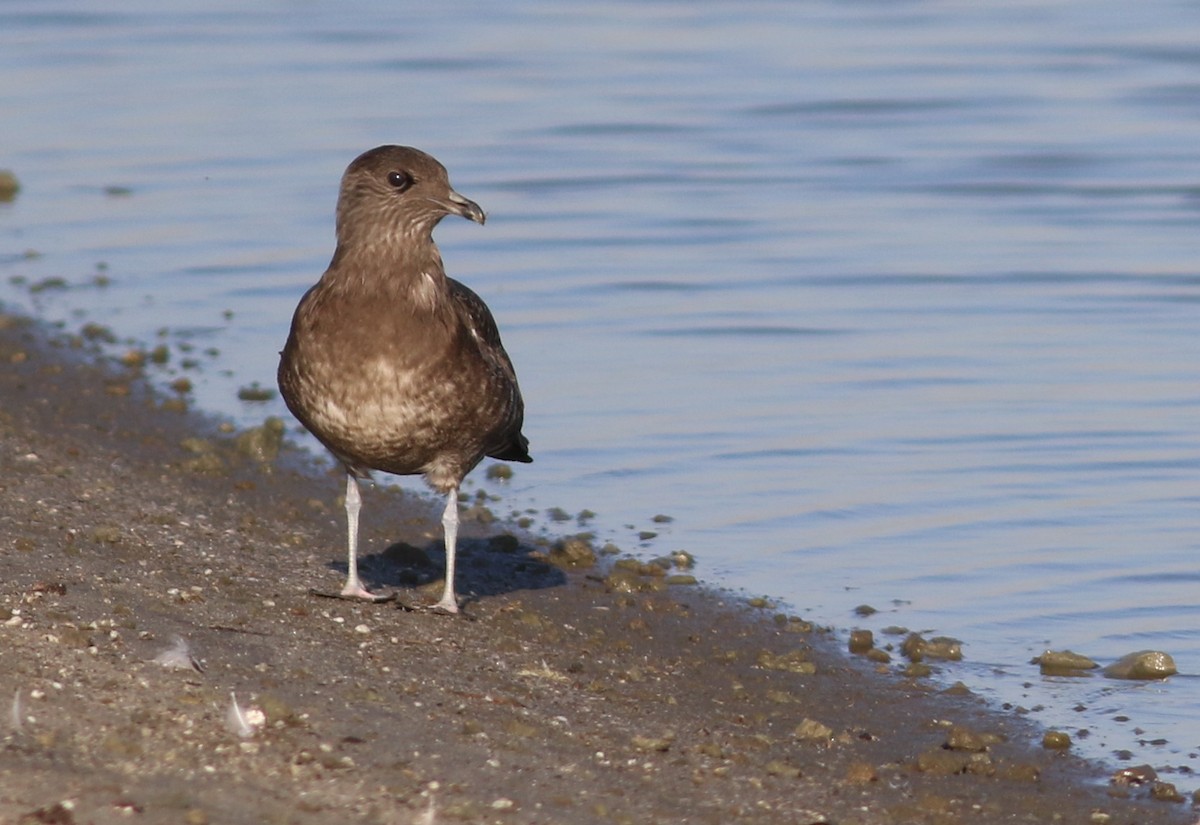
x=564 y=694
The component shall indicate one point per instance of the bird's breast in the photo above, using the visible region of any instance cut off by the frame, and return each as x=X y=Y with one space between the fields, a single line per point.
x=404 y=393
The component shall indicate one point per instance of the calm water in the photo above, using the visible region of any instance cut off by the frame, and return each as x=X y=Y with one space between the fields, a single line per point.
x=888 y=303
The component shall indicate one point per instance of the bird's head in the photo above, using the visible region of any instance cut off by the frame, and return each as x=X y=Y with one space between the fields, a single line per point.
x=397 y=193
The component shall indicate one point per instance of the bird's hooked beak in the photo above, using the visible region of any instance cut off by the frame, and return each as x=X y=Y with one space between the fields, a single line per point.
x=465 y=207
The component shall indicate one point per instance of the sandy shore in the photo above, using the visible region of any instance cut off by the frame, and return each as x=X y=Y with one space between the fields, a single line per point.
x=562 y=695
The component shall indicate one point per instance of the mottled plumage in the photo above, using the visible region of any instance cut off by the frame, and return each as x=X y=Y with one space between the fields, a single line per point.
x=391 y=364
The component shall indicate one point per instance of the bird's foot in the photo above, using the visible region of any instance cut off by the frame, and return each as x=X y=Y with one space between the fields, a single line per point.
x=354 y=595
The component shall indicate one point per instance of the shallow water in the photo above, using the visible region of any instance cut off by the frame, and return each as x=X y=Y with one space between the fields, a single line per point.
x=883 y=303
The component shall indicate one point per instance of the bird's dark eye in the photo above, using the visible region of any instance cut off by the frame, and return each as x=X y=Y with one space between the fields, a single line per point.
x=400 y=180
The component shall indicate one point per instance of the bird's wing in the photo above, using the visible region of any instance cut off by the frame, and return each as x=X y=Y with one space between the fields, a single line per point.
x=478 y=318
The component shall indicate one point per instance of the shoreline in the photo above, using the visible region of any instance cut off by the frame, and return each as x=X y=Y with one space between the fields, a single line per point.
x=566 y=693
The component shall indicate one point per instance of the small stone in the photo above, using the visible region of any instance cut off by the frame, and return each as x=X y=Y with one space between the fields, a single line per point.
x=1063 y=663
x=962 y=738
x=917 y=670
x=944 y=647
x=1134 y=776
x=942 y=762
x=9 y=186
x=1144 y=664
x=777 y=767
x=861 y=641
x=262 y=443
x=795 y=661
x=865 y=610
x=683 y=560
x=812 y=730
x=573 y=553
x=654 y=743
x=1056 y=740
x=106 y=534
x=255 y=393
x=913 y=647
x=1165 y=792
x=499 y=472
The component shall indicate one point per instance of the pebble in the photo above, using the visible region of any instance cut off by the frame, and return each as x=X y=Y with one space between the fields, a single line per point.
x=1056 y=740
x=812 y=730
x=861 y=641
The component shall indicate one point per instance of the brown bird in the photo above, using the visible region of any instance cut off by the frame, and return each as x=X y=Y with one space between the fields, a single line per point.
x=391 y=364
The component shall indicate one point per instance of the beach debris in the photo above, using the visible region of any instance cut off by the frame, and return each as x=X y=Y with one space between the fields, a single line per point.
x=1142 y=664
x=178 y=656
x=17 y=714
x=244 y=723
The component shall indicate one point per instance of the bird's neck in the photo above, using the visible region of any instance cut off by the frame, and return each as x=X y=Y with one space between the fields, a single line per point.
x=389 y=265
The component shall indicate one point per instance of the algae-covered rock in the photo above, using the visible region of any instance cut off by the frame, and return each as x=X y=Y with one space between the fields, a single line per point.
x=1143 y=664
x=573 y=553
x=861 y=641
x=262 y=443
x=813 y=731
x=1056 y=740
x=1064 y=663
x=9 y=186
x=795 y=661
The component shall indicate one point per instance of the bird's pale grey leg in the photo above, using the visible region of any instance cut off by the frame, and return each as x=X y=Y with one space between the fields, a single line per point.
x=449 y=603
x=353 y=588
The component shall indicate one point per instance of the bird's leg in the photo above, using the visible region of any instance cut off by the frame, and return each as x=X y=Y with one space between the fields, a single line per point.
x=353 y=588
x=449 y=604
